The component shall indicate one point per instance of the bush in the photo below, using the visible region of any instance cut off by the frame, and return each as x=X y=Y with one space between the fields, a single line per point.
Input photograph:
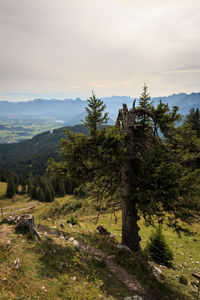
x=183 y=280
x=158 y=249
x=73 y=220
x=80 y=191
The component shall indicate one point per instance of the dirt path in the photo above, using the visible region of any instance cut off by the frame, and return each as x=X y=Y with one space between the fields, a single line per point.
x=14 y=209
x=120 y=273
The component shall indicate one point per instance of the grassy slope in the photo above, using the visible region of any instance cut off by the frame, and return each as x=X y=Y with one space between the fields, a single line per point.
x=3 y=186
x=51 y=264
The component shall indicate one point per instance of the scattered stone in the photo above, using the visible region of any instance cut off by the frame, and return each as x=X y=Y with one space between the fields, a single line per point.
x=102 y=230
x=71 y=239
x=16 y=264
x=62 y=264
x=44 y=289
x=112 y=236
x=46 y=234
x=120 y=246
x=111 y=256
x=62 y=225
x=77 y=245
x=100 y=296
x=8 y=244
x=100 y=285
x=136 y=297
x=70 y=225
x=49 y=219
x=156 y=271
x=73 y=278
x=31 y=207
x=128 y=298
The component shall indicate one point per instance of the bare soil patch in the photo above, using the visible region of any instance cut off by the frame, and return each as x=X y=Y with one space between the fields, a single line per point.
x=5 y=230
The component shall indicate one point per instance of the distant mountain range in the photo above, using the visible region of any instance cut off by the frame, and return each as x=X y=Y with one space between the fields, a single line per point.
x=71 y=111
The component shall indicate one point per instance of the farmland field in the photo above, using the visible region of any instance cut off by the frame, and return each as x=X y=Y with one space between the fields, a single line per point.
x=14 y=130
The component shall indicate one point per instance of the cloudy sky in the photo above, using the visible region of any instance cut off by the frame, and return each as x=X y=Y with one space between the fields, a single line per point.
x=66 y=48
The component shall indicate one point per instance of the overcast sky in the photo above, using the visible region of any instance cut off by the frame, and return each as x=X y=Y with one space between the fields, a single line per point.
x=66 y=48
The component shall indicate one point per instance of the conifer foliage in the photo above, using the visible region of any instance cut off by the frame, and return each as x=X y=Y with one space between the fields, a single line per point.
x=193 y=118
x=158 y=248
x=95 y=114
x=129 y=166
x=11 y=188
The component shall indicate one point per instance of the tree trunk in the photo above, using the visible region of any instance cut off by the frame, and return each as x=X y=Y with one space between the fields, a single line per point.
x=130 y=228
x=130 y=236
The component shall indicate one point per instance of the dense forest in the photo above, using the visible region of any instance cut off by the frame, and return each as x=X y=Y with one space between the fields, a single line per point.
x=32 y=155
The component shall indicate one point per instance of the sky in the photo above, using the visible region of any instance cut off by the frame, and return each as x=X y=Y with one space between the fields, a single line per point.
x=67 y=48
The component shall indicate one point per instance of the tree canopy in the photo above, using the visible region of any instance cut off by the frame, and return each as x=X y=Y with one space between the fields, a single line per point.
x=95 y=114
x=144 y=168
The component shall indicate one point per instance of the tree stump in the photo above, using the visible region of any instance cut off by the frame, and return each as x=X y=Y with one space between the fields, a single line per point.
x=23 y=222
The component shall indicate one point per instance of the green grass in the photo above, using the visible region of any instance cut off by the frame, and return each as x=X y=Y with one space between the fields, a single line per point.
x=16 y=131
x=42 y=267
x=50 y=269
x=3 y=187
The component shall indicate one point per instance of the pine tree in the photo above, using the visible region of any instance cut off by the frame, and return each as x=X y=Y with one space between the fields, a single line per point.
x=30 y=184
x=95 y=115
x=144 y=103
x=132 y=165
x=61 y=188
x=193 y=118
x=10 y=192
x=158 y=248
x=40 y=195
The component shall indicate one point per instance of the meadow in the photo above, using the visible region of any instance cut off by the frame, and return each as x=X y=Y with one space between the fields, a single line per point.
x=53 y=269
x=14 y=130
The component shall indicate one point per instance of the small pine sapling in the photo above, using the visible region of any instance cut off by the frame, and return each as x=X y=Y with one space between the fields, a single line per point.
x=158 y=248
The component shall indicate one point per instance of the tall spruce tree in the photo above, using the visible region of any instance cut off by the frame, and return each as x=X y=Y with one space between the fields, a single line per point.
x=11 y=189
x=95 y=114
x=193 y=118
x=145 y=103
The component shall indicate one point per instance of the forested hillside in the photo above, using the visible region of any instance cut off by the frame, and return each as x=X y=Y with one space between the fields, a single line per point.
x=32 y=155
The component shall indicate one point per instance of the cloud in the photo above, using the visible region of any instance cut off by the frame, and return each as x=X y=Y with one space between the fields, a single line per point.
x=112 y=46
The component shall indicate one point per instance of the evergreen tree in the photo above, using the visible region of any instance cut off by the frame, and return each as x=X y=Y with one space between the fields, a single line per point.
x=158 y=248
x=10 y=192
x=131 y=165
x=30 y=184
x=40 y=195
x=61 y=188
x=48 y=196
x=144 y=103
x=95 y=115
x=193 y=118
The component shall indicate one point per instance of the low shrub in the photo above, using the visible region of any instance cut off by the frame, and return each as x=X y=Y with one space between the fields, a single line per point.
x=80 y=191
x=73 y=220
x=183 y=280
